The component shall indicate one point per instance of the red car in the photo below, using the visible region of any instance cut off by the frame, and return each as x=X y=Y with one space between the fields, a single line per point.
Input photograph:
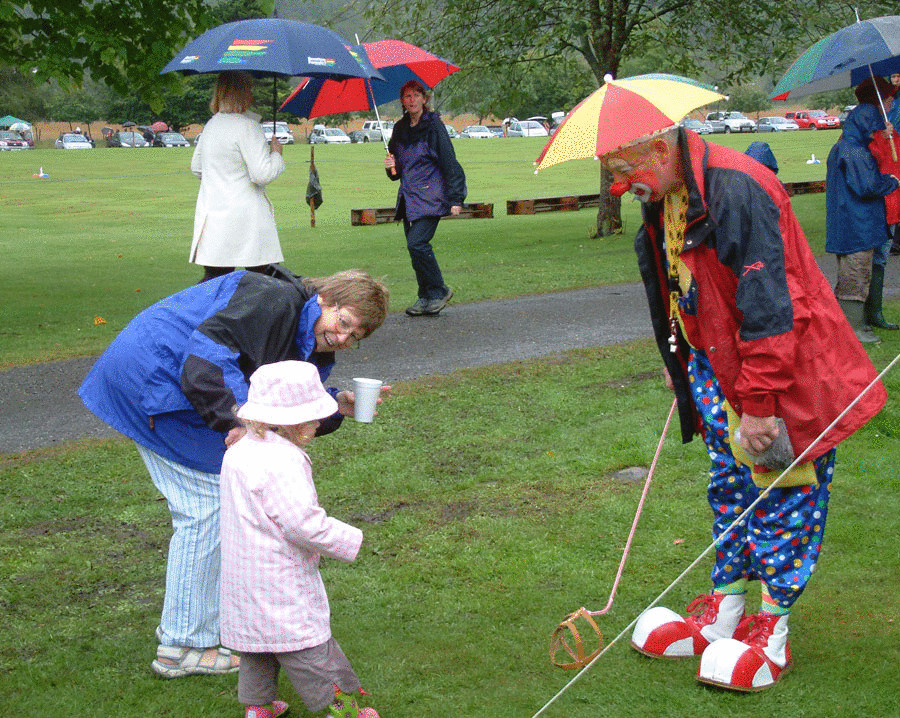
x=814 y=120
x=10 y=140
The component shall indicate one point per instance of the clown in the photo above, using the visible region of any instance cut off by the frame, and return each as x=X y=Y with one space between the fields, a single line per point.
x=750 y=332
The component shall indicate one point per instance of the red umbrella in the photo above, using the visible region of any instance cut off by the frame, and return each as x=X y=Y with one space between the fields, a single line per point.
x=396 y=60
x=159 y=127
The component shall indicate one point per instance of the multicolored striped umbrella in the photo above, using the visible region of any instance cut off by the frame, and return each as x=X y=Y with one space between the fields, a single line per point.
x=844 y=59
x=622 y=112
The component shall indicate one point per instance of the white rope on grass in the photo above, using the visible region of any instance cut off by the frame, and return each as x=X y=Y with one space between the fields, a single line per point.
x=739 y=520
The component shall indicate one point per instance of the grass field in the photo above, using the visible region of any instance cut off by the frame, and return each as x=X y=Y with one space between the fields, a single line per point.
x=483 y=529
x=108 y=232
x=474 y=550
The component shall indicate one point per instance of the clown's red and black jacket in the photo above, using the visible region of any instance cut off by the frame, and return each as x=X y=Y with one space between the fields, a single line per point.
x=766 y=316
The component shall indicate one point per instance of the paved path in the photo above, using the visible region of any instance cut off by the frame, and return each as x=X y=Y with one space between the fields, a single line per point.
x=39 y=407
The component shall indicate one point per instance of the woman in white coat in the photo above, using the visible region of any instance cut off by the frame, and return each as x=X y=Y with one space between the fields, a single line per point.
x=234 y=223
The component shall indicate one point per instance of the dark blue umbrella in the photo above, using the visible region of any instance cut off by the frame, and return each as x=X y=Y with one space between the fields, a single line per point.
x=268 y=46
x=844 y=59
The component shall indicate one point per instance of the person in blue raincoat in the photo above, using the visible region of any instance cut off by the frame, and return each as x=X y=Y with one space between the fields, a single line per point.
x=855 y=216
x=170 y=382
x=432 y=185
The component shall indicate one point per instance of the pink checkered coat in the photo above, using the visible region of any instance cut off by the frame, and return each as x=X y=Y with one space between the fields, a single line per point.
x=273 y=532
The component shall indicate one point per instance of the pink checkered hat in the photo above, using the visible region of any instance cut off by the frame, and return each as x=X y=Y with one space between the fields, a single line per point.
x=287 y=393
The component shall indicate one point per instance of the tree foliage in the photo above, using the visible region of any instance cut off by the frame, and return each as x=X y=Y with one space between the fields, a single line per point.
x=123 y=43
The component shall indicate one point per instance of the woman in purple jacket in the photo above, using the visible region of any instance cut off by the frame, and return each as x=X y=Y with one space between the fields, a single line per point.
x=432 y=184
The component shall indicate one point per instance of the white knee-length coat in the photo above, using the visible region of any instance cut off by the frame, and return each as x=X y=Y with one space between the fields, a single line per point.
x=234 y=223
x=273 y=532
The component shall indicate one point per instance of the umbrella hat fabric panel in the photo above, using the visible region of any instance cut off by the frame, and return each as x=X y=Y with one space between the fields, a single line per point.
x=844 y=59
x=268 y=46
x=622 y=112
x=394 y=62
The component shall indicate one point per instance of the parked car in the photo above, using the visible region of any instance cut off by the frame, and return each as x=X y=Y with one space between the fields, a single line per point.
x=776 y=124
x=282 y=132
x=170 y=139
x=375 y=130
x=814 y=120
x=11 y=140
x=731 y=121
x=128 y=138
x=357 y=136
x=73 y=141
x=451 y=132
x=478 y=132
x=526 y=128
x=845 y=112
x=496 y=129
x=701 y=128
x=328 y=136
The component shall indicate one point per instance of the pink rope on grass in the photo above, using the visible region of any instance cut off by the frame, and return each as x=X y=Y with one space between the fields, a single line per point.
x=637 y=515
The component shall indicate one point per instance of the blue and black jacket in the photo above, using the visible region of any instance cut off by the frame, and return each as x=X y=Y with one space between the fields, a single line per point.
x=171 y=379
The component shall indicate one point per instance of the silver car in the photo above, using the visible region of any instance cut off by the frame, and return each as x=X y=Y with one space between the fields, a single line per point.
x=776 y=124
x=526 y=128
x=73 y=141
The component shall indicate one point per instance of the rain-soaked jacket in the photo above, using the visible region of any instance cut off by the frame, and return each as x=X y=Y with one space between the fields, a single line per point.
x=855 y=188
x=766 y=316
x=170 y=379
x=431 y=178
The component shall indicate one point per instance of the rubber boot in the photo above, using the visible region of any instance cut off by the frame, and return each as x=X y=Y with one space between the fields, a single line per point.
x=855 y=310
x=874 y=314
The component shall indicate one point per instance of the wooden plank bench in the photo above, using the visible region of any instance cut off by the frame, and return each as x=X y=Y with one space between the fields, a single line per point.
x=552 y=204
x=813 y=187
x=383 y=215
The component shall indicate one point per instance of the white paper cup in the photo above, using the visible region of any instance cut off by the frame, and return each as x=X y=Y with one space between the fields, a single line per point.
x=367 y=392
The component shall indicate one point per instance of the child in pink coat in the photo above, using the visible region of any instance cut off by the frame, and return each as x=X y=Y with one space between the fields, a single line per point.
x=273 y=602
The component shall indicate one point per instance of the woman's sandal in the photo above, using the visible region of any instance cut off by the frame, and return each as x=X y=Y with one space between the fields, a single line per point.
x=179 y=661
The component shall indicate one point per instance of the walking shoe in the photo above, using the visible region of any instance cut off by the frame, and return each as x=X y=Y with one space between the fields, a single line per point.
x=662 y=633
x=417 y=309
x=434 y=306
x=278 y=708
x=753 y=664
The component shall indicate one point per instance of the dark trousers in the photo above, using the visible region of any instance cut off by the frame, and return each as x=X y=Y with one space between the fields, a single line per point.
x=418 y=242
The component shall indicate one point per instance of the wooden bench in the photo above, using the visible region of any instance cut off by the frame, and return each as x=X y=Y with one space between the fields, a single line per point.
x=575 y=202
x=552 y=204
x=383 y=215
x=804 y=187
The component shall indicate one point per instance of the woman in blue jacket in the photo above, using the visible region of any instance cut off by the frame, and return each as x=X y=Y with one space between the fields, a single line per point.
x=432 y=184
x=856 y=223
x=170 y=381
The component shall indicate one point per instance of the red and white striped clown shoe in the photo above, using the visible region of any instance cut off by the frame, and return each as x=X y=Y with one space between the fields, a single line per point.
x=662 y=633
x=754 y=664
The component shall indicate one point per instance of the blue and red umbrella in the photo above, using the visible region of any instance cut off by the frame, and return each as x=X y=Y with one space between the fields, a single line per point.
x=844 y=59
x=394 y=63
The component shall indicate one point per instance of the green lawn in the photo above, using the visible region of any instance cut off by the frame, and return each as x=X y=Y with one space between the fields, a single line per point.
x=108 y=233
x=474 y=550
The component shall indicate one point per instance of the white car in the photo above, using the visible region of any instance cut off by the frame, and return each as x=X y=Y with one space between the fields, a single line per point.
x=282 y=132
x=478 y=132
x=72 y=141
x=776 y=124
x=329 y=136
x=526 y=128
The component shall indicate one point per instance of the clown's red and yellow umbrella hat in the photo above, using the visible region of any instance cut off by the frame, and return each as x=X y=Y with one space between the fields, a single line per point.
x=623 y=112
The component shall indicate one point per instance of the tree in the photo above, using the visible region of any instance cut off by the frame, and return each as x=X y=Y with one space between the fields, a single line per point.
x=719 y=42
x=123 y=43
